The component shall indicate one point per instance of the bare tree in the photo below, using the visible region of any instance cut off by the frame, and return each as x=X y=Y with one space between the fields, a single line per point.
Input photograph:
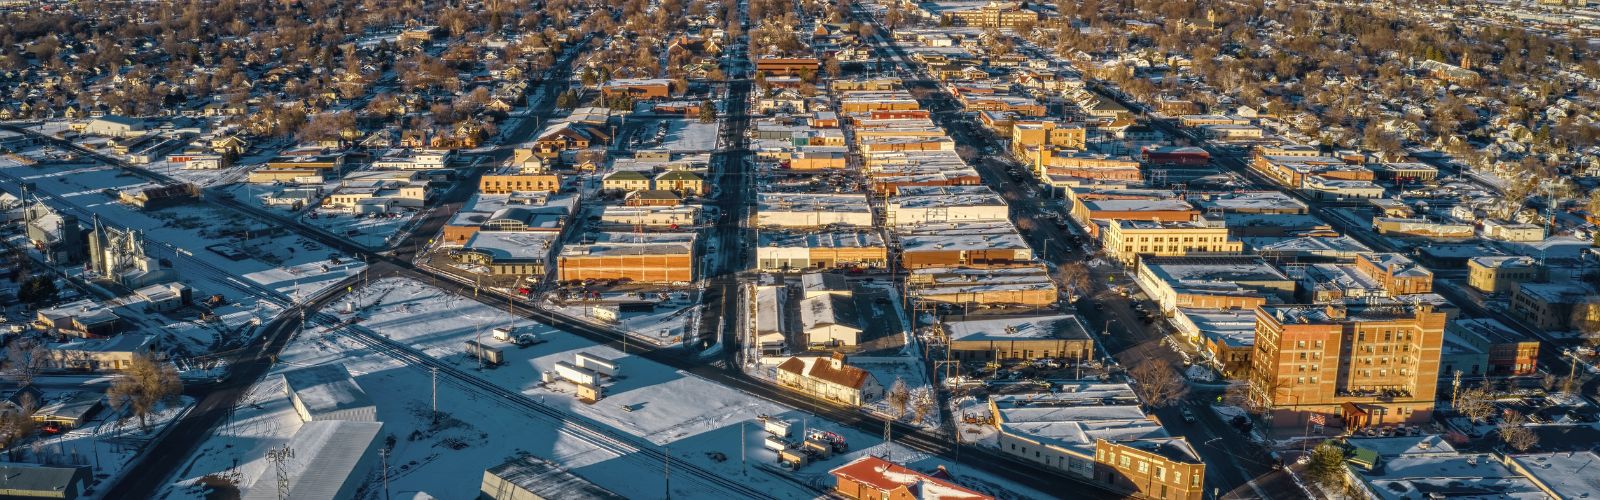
x=921 y=406
x=1157 y=384
x=1073 y=277
x=899 y=397
x=15 y=425
x=1475 y=403
x=24 y=359
x=1515 y=435
x=144 y=385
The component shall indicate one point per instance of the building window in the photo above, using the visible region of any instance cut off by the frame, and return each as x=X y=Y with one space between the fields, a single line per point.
x=1123 y=461
x=1144 y=467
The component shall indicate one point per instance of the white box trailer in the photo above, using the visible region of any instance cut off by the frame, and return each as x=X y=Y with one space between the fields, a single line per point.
x=775 y=444
x=577 y=374
x=600 y=365
x=777 y=427
x=490 y=355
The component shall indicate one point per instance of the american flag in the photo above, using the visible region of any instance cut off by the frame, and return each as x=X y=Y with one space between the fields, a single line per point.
x=1319 y=419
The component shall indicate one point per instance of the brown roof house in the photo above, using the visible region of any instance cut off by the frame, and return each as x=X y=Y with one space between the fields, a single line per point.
x=829 y=378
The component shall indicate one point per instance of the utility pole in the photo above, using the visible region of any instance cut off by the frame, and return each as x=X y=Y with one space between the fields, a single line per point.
x=742 y=469
x=279 y=458
x=666 y=470
x=384 y=452
x=1455 y=391
x=888 y=440
x=435 y=371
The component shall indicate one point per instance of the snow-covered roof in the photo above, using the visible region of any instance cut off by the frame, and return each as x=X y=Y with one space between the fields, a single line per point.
x=1059 y=326
x=965 y=236
x=546 y=479
x=1567 y=474
x=512 y=245
x=1079 y=415
x=829 y=309
x=886 y=476
x=327 y=462
x=325 y=389
x=1415 y=446
x=1231 y=327
x=1454 y=476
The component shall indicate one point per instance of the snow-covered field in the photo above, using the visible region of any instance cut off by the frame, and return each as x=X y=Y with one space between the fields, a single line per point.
x=670 y=324
x=201 y=177
x=370 y=232
x=690 y=136
x=700 y=423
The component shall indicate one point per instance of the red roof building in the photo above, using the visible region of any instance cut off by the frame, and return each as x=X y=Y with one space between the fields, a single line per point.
x=876 y=478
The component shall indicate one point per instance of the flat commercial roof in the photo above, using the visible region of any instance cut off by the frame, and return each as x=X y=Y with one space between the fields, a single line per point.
x=1060 y=326
x=821 y=239
x=1568 y=474
x=512 y=245
x=613 y=243
x=1080 y=414
x=1231 y=327
x=1208 y=268
x=1139 y=205
x=946 y=196
x=966 y=236
x=1255 y=202
x=812 y=202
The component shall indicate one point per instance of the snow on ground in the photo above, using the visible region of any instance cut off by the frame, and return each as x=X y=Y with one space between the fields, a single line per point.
x=204 y=178
x=367 y=231
x=979 y=433
x=699 y=422
x=690 y=136
x=915 y=375
x=669 y=324
x=108 y=443
x=447 y=460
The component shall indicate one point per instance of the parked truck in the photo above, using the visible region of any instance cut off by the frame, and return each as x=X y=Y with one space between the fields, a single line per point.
x=577 y=374
x=489 y=355
x=836 y=443
x=509 y=335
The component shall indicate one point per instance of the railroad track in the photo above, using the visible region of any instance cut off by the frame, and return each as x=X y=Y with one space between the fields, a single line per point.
x=625 y=446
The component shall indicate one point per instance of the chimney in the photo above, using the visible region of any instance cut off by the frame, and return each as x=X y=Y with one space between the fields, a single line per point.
x=836 y=361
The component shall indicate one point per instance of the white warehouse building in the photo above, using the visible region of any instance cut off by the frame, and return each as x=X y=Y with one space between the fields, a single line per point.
x=328 y=392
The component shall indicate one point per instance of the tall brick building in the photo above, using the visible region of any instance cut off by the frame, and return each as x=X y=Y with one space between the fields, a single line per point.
x=1365 y=364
